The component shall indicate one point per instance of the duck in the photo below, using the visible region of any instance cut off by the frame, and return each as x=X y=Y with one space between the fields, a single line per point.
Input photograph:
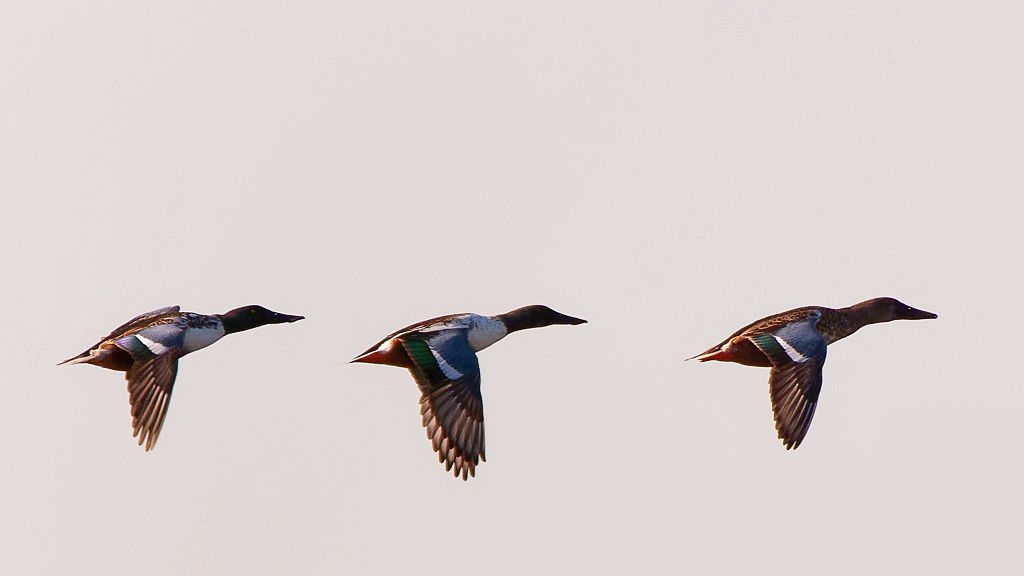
x=147 y=348
x=793 y=344
x=441 y=354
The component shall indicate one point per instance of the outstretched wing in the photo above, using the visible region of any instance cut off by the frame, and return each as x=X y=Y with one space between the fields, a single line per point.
x=129 y=327
x=765 y=325
x=150 y=383
x=797 y=353
x=441 y=322
x=794 y=389
x=448 y=374
x=142 y=320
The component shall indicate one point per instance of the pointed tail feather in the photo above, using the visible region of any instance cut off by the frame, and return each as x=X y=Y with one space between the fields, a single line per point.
x=82 y=358
x=111 y=357
x=371 y=357
x=713 y=354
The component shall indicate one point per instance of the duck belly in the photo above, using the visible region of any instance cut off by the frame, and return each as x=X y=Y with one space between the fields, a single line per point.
x=196 y=338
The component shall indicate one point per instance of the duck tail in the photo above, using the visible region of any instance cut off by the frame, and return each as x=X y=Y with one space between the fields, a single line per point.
x=713 y=354
x=82 y=358
x=96 y=355
x=371 y=357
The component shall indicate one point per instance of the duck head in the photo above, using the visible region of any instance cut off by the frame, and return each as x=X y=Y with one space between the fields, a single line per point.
x=888 y=309
x=248 y=317
x=535 y=316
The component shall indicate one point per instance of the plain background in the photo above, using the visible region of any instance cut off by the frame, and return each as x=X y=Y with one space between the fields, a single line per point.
x=669 y=171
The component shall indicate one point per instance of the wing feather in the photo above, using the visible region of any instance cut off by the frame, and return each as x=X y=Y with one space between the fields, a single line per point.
x=451 y=408
x=797 y=352
x=794 y=388
x=150 y=383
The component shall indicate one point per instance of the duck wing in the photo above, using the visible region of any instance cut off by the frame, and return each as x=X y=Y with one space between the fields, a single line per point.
x=766 y=324
x=150 y=383
x=155 y=350
x=440 y=322
x=141 y=321
x=797 y=353
x=447 y=372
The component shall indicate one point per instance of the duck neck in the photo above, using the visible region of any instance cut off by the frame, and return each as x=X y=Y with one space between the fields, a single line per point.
x=514 y=321
x=838 y=324
x=234 y=323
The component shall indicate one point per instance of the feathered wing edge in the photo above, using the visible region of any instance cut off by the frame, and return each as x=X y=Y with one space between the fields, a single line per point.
x=794 y=390
x=451 y=407
x=150 y=383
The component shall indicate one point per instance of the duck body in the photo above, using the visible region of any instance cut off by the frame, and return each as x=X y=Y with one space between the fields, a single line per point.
x=167 y=330
x=147 y=349
x=480 y=332
x=831 y=324
x=794 y=345
x=441 y=355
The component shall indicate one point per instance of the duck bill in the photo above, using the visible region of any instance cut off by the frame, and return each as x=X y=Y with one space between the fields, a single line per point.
x=563 y=319
x=279 y=318
x=915 y=314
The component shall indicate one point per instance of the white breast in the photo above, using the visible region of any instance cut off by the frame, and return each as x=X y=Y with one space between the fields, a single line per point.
x=196 y=338
x=484 y=331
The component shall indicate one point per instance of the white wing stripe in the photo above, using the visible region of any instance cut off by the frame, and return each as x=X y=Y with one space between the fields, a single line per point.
x=790 y=351
x=446 y=368
x=154 y=346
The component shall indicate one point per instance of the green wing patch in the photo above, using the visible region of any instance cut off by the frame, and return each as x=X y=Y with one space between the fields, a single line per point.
x=421 y=355
x=771 y=348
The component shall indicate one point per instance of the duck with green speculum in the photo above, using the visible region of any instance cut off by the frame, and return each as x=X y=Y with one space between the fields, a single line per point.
x=441 y=355
x=793 y=344
x=147 y=348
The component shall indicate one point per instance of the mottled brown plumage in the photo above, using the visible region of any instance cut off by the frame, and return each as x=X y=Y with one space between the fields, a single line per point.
x=793 y=344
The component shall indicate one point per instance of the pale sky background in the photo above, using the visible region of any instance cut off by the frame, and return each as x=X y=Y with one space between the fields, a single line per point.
x=668 y=171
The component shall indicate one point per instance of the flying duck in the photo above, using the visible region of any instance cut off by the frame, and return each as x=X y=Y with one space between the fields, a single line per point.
x=441 y=354
x=793 y=344
x=147 y=349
